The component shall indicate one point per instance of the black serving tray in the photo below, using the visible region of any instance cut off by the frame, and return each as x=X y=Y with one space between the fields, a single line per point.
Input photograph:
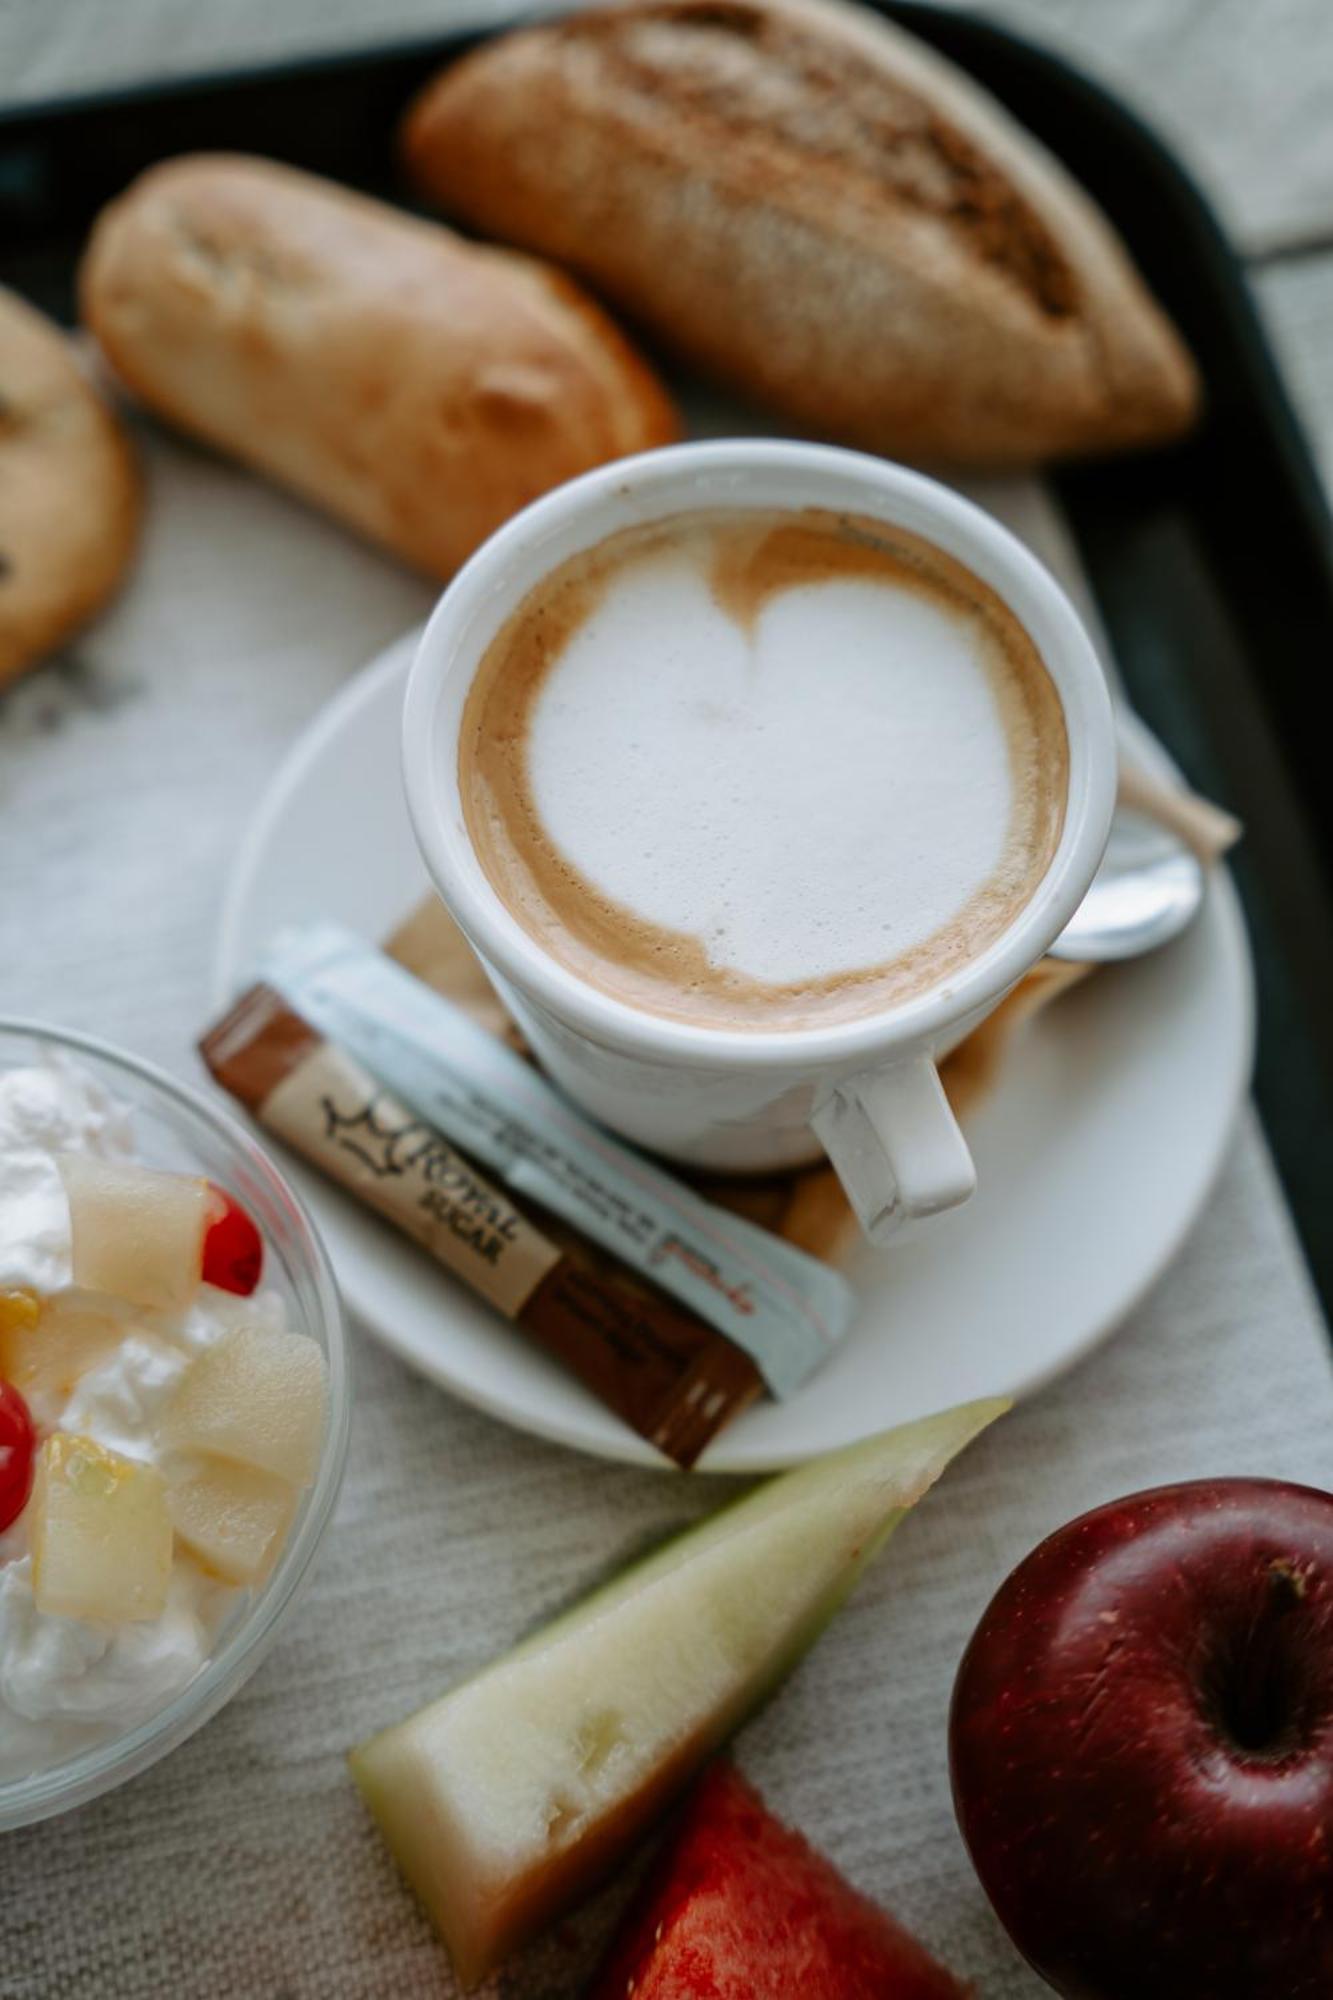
x=1212 y=562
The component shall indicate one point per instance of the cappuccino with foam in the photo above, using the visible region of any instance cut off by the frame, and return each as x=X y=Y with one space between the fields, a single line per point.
x=763 y=770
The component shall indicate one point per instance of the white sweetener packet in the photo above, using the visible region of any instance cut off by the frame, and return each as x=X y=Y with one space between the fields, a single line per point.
x=785 y=1309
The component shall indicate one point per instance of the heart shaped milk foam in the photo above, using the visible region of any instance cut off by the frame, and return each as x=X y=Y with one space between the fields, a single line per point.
x=761 y=770
x=807 y=797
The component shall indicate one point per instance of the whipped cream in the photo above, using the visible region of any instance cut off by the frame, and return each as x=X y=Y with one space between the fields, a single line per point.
x=50 y=1108
x=68 y=1683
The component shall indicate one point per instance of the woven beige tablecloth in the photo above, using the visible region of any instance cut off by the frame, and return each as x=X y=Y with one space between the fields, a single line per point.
x=244 y=1865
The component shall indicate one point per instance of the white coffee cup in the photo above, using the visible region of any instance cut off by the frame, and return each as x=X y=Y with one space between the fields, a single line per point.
x=867 y=1090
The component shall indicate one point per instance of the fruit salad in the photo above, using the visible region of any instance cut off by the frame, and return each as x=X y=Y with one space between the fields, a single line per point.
x=159 y=1419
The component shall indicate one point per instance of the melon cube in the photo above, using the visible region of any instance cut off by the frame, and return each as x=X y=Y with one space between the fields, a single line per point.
x=47 y=1346
x=136 y=1233
x=20 y=1311
x=20 y=1308
x=258 y=1398
x=232 y=1518
x=101 y=1533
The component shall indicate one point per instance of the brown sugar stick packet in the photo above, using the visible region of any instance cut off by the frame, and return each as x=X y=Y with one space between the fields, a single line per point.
x=782 y=1307
x=670 y=1376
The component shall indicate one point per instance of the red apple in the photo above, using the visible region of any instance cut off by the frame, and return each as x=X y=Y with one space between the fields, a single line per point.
x=1142 y=1747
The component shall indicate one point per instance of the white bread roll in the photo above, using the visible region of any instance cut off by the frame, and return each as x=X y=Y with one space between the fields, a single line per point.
x=418 y=387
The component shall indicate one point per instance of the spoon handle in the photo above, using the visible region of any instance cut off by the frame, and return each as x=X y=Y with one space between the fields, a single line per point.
x=1205 y=829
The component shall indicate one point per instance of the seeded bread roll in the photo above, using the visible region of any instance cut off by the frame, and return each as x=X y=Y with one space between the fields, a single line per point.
x=419 y=388
x=809 y=205
x=69 y=491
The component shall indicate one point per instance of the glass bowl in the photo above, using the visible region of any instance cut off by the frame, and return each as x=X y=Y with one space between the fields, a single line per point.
x=176 y=1127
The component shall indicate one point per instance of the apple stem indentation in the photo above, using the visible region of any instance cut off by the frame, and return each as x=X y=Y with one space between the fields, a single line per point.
x=1261 y=1691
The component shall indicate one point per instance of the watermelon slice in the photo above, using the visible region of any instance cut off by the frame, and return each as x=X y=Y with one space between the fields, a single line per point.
x=741 y=1908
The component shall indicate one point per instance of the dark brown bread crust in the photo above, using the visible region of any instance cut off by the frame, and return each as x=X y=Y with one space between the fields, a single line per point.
x=805 y=203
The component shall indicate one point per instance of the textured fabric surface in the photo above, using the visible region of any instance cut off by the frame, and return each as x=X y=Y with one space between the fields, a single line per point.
x=244 y=1865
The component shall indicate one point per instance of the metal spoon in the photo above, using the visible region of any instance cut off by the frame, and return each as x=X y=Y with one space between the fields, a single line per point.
x=1151 y=880
x=1147 y=889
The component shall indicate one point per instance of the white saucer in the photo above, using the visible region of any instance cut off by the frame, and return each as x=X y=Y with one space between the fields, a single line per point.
x=1094 y=1154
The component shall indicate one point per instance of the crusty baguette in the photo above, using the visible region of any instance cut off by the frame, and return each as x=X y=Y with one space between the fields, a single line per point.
x=416 y=386
x=811 y=206
x=69 y=491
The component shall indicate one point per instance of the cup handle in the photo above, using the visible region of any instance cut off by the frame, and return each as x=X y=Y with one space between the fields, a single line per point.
x=895 y=1145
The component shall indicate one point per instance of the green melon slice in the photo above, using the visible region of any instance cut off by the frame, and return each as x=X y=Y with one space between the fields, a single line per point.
x=507 y=1797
